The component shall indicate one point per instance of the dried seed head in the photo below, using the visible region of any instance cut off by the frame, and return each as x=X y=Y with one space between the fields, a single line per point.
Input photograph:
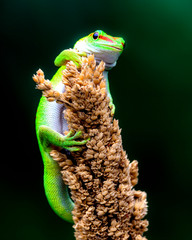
x=100 y=176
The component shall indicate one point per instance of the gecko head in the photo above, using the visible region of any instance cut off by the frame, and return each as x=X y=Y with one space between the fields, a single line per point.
x=103 y=46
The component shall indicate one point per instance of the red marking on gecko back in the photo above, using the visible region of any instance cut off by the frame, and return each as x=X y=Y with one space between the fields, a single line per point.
x=106 y=39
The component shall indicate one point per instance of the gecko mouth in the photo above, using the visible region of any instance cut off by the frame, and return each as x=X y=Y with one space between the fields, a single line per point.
x=118 y=48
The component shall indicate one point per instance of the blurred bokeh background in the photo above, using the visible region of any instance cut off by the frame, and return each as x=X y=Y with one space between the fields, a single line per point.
x=151 y=87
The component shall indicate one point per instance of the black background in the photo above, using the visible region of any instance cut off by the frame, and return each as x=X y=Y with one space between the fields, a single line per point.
x=151 y=88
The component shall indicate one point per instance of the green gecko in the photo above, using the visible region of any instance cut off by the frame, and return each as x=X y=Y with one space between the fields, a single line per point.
x=51 y=125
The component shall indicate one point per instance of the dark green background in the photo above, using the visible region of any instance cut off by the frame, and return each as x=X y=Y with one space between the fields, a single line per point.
x=151 y=88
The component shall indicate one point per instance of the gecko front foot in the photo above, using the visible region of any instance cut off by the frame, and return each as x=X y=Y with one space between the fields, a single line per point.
x=70 y=55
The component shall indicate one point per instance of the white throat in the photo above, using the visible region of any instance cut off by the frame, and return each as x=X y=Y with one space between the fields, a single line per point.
x=109 y=57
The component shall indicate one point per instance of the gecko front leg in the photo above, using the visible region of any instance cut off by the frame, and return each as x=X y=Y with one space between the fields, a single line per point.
x=70 y=55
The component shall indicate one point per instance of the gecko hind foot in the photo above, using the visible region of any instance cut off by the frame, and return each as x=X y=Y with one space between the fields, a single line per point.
x=72 y=135
x=70 y=141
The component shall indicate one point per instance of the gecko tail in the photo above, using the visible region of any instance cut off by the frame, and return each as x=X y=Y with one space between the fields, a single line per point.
x=56 y=191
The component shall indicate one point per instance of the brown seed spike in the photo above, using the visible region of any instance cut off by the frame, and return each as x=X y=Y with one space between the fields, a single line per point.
x=101 y=67
x=100 y=176
x=91 y=59
x=102 y=84
x=35 y=78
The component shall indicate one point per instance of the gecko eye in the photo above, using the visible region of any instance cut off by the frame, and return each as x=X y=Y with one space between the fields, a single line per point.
x=95 y=35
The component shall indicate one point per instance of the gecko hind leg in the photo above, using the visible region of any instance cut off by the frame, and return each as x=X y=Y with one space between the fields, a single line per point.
x=49 y=137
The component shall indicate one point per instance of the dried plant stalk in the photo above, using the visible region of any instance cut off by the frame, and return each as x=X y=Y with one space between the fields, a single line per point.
x=101 y=178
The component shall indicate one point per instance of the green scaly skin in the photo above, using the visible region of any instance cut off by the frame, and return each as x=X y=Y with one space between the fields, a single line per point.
x=104 y=47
